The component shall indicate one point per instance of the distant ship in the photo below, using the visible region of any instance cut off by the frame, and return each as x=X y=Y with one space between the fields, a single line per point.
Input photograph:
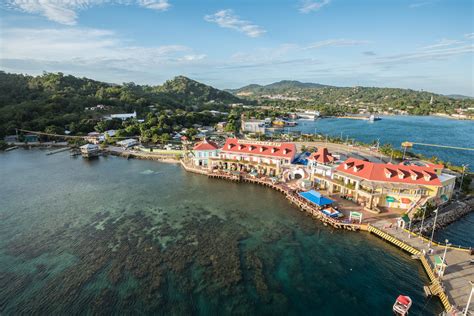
x=308 y=115
x=373 y=118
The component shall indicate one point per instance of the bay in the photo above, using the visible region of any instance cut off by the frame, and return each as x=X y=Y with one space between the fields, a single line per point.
x=109 y=236
x=397 y=129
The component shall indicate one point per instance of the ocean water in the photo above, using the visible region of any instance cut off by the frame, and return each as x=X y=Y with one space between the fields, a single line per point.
x=116 y=236
x=458 y=233
x=397 y=129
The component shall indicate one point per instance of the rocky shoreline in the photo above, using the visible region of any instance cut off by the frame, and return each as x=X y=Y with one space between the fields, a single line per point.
x=447 y=215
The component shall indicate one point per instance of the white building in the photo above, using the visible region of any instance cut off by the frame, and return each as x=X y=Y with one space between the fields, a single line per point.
x=253 y=126
x=127 y=143
x=203 y=151
x=322 y=165
x=123 y=116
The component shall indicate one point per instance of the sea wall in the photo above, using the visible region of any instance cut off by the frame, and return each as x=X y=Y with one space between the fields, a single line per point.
x=455 y=212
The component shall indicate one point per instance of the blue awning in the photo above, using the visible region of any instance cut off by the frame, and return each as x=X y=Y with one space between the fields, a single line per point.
x=315 y=197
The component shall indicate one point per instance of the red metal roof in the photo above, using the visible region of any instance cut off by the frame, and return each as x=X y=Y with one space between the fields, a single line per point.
x=322 y=156
x=425 y=175
x=205 y=145
x=267 y=149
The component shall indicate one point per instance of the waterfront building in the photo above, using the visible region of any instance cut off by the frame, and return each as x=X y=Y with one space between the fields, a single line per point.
x=31 y=138
x=89 y=150
x=405 y=187
x=127 y=143
x=321 y=165
x=10 y=139
x=204 y=150
x=266 y=158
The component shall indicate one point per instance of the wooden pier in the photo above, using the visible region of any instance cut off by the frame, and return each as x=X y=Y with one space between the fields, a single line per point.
x=435 y=288
x=291 y=195
x=453 y=287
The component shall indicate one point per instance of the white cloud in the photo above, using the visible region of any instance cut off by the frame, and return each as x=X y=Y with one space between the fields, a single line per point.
x=66 y=11
x=160 y=5
x=89 y=48
x=227 y=19
x=308 y=6
x=469 y=35
x=419 y=4
x=443 y=43
x=335 y=43
x=441 y=50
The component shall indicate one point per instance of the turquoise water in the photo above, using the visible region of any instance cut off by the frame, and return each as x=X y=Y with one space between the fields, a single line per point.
x=116 y=236
x=397 y=129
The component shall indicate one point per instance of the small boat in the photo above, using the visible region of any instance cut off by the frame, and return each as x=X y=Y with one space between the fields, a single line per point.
x=373 y=118
x=402 y=305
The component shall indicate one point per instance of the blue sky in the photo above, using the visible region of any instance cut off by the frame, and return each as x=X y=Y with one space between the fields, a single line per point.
x=418 y=44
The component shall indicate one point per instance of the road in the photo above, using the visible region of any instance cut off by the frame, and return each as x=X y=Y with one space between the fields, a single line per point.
x=346 y=150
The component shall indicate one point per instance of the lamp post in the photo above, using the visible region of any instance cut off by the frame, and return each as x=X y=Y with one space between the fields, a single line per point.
x=469 y=300
x=462 y=176
x=422 y=221
x=434 y=226
x=444 y=257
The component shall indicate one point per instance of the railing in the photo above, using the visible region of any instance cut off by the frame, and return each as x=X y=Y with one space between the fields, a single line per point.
x=454 y=247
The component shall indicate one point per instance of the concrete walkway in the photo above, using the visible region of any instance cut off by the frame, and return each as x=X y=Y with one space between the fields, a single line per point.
x=459 y=270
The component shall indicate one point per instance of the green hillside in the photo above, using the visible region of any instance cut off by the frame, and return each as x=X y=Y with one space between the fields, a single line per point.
x=58 y=102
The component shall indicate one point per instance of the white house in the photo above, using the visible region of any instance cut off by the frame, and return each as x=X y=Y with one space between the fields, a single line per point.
x=203 y=151
x=123 y=116
x=127 y=143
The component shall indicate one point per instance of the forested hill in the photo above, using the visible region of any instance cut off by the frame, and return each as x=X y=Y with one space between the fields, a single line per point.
x=283 y=86
x=59 y=101
x=350 y=99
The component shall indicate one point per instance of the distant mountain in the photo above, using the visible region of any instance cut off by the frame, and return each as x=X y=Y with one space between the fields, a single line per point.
x=190 y=92
x=339 y=100
x=276 y=87
x=459 y=97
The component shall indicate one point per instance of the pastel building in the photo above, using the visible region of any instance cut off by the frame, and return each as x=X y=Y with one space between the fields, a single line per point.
x=393 y=186
x=265 y=158
x=203 y=151
x=321 y=165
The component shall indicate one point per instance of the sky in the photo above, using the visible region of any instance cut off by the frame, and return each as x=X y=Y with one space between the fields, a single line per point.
x=417 y=44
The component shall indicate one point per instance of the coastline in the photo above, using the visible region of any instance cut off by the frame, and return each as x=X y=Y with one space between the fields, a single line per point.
x=436 y=288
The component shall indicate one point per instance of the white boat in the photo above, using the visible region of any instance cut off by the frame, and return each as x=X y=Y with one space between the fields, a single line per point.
x=402 y=305
x=373 y=118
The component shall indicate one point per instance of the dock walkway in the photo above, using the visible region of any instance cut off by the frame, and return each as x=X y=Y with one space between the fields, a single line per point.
x=453 y=287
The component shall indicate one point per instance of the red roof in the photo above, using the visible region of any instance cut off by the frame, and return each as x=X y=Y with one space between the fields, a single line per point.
x=322 y=155
x=267 y=149
x=390 y=173
x=205 y=145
